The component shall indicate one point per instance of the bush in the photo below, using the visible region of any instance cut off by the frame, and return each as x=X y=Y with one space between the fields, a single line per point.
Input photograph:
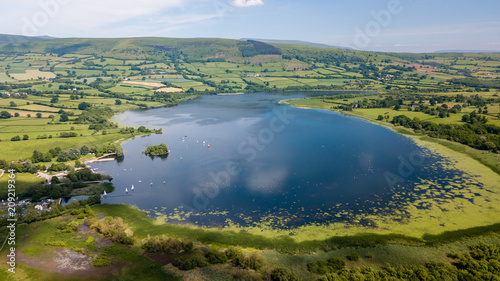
x=16 y=138
x=244 y=275
x=56 y=243
x=233 y=253
x=282 y=274
x=68 y=226
x=167 y=245
x=101 y=261
x=215 y=257
x=192 y=262
x=324 y=267
x=353 y=257
x=254 y=261
x=5 y=115
x=114 y=228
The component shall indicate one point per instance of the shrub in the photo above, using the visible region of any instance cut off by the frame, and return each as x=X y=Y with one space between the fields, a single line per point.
x=215 y=257
x=254 y=261
x=233 y=253
x=353 y=257
x=282 y=274
x=114 y=228
x=101 y=261
x=192 y=262
x=55 y=243
x=244 y=275
x=324 y=267
x=68 y=226
x=16 y=138
x=166 y=244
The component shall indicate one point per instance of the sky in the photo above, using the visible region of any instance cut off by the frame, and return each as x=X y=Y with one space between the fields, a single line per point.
x=376 y=25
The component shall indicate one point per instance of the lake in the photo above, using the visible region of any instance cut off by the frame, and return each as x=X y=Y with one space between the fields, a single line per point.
x=246 y=160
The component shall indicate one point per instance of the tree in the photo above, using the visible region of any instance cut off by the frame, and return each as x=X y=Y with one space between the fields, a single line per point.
x=380 y=117
x=118 y=102
x=13 y=104
x=84 y=150
x=54 y=100
x=16 y=138
x=63 y=156
x=84 y=105
x=64 y=117
x=26 y=137
x=38 y=115
x=55 y=180
x=5 y=115
x=17 y=114
x=55 y=151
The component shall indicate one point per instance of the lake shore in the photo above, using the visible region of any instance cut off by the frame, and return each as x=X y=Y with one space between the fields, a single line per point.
x=230 y=94
x=459 y=213
x=475 y=206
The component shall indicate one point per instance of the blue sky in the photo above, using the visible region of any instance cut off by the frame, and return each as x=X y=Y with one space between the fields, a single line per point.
x=379 y=25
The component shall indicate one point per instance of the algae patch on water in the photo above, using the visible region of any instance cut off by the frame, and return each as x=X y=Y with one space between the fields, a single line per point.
x=459 y=193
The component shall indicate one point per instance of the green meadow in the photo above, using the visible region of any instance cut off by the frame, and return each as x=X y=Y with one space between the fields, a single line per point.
x=63 y=93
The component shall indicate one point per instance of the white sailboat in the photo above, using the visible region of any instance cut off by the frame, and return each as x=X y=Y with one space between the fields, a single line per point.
x=132 y=188
x=126 y=190
x=104 y=194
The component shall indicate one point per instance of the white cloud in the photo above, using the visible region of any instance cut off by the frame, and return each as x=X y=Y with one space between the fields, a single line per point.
x=81 y=17
x=247 y=3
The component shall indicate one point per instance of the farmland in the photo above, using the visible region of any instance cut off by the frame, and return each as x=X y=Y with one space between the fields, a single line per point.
x=59 y=96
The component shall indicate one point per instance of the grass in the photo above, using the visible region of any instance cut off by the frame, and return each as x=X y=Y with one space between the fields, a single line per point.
x=121 y=55
x=143 y=225
x=11 y=152
x=33 y=242
x=23 y=181
x=32 y=74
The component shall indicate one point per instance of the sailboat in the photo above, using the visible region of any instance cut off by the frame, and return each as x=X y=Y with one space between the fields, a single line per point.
x=132 y=188
x=126 y=190
x=104 y=194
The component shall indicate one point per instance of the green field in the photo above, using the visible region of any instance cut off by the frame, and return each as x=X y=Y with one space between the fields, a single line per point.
x=83 y=88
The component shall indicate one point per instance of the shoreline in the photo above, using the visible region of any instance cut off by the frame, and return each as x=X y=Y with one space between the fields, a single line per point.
x=230 y=94
x=419 y=222
x=477 y=207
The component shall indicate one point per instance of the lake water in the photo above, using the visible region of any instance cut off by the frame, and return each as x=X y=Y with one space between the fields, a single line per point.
x=266 y=163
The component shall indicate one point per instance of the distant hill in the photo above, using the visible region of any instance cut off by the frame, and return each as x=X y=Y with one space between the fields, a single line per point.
x=296 y=42
x=467 y=51
x=147 y=47
x=8 y=38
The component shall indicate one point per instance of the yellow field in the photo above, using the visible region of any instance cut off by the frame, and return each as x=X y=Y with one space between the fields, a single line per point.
x=149 y=84
x=25 y=113
x=32 y=74
x=169 y=90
